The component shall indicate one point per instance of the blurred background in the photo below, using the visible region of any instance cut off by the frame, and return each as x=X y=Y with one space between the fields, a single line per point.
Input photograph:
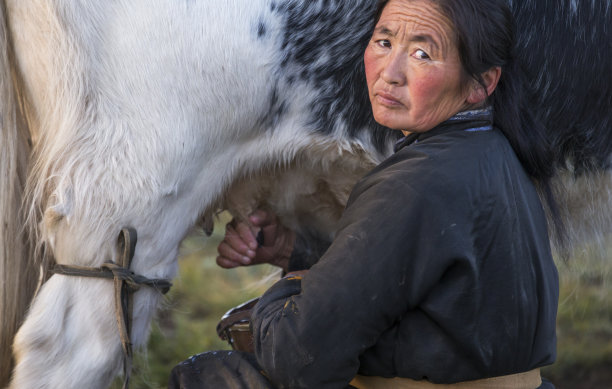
x=203 y=292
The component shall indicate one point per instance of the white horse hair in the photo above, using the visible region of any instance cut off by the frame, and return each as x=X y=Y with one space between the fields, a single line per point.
x=142 y=113
x=155 y=114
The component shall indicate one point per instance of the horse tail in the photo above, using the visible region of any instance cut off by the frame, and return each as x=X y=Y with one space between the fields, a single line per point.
x=17 y=275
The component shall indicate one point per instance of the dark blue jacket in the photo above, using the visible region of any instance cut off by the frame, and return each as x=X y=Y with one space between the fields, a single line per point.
x=441 y=269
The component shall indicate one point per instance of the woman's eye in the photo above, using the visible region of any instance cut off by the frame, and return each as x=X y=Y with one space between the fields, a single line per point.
x=383 y=43
x=420 y=54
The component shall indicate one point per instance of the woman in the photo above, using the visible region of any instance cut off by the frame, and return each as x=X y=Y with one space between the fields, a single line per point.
x=441 y=271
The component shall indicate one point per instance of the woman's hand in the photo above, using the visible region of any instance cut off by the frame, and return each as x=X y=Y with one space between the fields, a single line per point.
x=240 y=246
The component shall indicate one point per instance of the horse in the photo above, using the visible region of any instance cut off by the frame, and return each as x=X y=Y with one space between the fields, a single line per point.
x=154 y=115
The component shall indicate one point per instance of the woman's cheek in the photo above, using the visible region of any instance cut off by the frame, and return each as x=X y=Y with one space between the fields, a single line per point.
x=369 y=61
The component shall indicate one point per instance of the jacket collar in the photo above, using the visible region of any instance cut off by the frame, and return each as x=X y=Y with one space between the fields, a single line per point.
x=472 y=121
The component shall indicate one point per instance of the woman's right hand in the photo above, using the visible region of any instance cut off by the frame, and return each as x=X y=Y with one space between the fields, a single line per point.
x=240 y=246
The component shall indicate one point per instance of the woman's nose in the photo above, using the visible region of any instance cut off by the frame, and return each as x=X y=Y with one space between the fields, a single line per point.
x=394 y=70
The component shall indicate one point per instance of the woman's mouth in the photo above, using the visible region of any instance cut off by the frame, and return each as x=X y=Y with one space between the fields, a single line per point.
x=387 y=99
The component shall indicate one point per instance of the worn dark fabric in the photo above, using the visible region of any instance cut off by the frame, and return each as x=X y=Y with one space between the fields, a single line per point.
x=230 y=370
x=441 y=269
x=306 y=252
x=219 y=370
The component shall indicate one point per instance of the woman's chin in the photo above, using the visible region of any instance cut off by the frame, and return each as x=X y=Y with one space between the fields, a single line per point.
x=390 y=121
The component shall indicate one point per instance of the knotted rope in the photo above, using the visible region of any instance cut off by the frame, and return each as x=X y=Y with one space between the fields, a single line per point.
x=126 y=283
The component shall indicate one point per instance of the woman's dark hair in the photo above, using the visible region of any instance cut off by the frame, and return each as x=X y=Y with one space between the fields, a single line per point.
x=485 y=37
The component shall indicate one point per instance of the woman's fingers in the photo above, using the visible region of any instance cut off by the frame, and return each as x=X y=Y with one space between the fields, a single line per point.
x=229 y=254
x=247 y=236
x=240 y=239
x=268 y=224
x=227 y=263
x=235 y=249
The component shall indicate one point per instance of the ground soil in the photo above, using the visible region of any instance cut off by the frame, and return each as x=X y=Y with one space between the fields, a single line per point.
x=600 y=378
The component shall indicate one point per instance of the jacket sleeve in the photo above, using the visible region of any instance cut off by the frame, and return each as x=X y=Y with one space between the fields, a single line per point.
x=396 y=239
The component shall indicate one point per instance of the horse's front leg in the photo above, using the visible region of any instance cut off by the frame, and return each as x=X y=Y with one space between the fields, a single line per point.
x=71 y=339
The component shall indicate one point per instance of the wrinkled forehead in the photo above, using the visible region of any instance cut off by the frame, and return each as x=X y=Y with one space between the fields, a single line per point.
x=405 y=19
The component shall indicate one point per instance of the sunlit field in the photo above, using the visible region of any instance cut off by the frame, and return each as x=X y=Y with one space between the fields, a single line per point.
x=203 y=292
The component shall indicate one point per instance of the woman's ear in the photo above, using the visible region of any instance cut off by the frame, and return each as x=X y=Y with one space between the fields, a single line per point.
x=478 y=94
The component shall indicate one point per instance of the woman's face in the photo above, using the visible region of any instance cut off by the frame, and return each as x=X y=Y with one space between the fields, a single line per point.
x=412 y=67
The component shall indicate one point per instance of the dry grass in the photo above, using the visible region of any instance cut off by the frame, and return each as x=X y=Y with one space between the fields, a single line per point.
x=584 y=321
